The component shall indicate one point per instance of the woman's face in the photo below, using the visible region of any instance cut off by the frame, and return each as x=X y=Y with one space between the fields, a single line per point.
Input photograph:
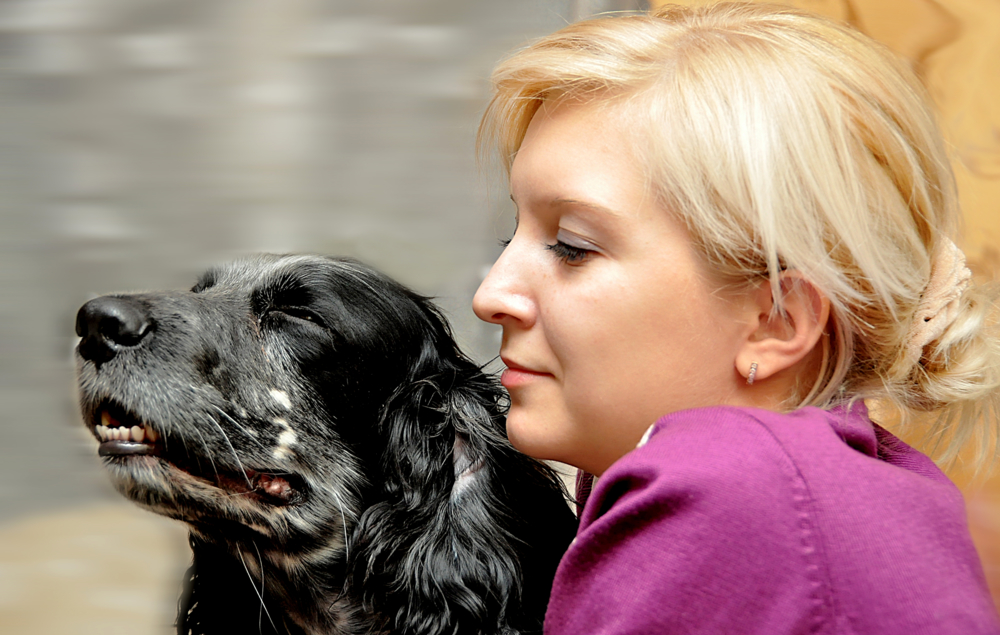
x=610 y=320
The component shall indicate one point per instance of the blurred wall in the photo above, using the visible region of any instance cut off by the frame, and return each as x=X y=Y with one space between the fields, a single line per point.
x=143 y=140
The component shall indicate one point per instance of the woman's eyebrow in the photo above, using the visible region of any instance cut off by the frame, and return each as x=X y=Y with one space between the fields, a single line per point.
x=585 y=204
x=561 y=201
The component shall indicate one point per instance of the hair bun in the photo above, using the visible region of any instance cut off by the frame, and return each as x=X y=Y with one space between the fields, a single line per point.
x=940 y=302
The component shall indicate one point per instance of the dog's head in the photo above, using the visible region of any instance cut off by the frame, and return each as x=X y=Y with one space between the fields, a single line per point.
x=314 y=413
x=254 y=397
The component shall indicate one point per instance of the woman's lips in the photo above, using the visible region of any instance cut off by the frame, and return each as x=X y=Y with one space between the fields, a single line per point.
x=516 y=375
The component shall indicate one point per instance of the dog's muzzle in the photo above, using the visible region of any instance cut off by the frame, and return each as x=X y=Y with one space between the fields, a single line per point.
x=108 y=325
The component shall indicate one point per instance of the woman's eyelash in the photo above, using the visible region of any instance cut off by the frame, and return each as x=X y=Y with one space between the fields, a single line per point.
x=505 y=241
x=568 y=253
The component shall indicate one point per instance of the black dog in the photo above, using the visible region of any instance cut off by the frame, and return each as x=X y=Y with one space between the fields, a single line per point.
x=342 y=467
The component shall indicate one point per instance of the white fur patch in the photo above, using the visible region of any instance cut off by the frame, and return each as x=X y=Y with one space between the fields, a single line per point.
x=282 y=398
x=466 y=471
x=286 y=439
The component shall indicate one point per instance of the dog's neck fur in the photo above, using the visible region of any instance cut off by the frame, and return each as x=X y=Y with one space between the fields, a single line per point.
x=300 y=594
x=307 y=585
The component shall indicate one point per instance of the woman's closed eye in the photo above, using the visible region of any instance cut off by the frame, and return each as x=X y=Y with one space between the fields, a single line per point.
x=568 y=253
x=570 y=248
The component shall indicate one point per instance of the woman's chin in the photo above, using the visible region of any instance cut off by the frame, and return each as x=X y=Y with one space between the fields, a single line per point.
x=535 y=438
x=524 y=441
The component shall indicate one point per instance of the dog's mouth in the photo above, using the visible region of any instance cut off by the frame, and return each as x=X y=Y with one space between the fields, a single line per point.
x=270 y=487
x=123 y=437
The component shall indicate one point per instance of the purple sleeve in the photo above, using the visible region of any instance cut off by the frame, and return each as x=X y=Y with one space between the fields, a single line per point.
x=694 y=535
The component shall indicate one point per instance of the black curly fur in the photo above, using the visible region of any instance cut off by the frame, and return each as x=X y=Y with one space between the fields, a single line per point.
x=313 y=414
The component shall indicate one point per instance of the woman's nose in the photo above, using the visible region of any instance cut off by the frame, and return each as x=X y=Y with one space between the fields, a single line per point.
x=503 y=297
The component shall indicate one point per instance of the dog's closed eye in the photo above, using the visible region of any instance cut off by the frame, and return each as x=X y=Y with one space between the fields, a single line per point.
x=299 y=313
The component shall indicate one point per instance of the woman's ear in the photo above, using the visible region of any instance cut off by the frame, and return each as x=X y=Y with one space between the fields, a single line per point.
x=781 y=338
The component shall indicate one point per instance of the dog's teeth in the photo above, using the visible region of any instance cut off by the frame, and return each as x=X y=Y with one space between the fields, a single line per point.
x=138 y=434
x=111 y=429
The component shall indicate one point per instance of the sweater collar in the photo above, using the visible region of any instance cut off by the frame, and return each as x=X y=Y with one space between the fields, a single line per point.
x=851 y=423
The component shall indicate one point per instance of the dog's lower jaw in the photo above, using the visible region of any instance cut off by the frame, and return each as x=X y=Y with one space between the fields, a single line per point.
x=190 y=500
x=295 y=565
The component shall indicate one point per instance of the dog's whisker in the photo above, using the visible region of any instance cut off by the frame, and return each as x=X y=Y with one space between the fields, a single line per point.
x=208 y=452
x=263 y=608
x=343 y=520
x=259 y=592
x=225 y=438
x=241 y=428
x=215 y=468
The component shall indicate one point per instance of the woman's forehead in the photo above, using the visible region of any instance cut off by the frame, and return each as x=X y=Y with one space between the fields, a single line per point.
x=575 y=151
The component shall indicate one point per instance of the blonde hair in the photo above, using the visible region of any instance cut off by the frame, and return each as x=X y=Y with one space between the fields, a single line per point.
x=787 y=141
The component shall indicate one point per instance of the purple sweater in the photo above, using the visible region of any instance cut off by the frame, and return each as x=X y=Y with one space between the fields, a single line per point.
x=741 y=521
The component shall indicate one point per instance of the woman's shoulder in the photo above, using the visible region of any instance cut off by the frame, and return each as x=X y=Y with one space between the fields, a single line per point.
x=821 y=512
x=749 y=447
x=768 y=463
x=726 y=428
x=701 y=524
x=727 y=461
x=840 y=443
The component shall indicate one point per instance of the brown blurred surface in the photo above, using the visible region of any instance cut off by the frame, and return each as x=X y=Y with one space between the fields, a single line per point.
x=109 y=569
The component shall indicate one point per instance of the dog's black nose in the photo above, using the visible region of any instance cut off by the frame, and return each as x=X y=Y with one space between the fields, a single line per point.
x=108 y=324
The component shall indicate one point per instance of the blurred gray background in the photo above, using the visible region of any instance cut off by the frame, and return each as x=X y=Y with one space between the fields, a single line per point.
x=143 y=140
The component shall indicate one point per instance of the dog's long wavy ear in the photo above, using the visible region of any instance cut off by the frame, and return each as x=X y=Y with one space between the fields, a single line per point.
x=470 y=531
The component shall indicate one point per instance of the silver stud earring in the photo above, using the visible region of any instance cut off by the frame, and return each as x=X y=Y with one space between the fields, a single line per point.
x=752 y=374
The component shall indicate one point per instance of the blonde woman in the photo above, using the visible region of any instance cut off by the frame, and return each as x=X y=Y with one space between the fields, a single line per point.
x=735 y=224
